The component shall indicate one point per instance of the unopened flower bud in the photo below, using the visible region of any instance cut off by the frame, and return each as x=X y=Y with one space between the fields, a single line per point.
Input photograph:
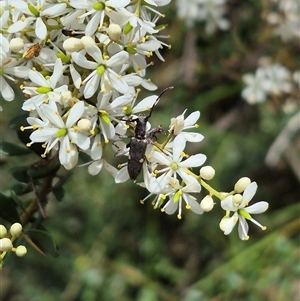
x=207 y=172
x=73 y=45
x=84 y=125
x=5 y=244
x=241 y=184
x=16 y=44
x=86 y=40
x=15 y=229
x=3 y=231
x=21 y=251
x=223 y=222
x=237 y=199
x=207 y=203
x=114 y=32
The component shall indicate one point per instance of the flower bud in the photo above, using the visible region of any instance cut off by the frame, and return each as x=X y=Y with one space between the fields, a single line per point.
x=237 y=199
x=5 y=244
x=86 y=41
x=114 y=32
x=73 y=45
x=3 y=231
x=223 y=222
x=241 y=184
x=21 y=251
x=207 y=172
x=16 y=44
x=15 y=229
x=84 y=125
x=207 y=203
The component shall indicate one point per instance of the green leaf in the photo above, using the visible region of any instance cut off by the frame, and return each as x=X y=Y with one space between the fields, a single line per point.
x=8 y=210
x=21 y=188
x=59 y=193
x=20 y=173
x=10 y=149
x=44 y=241
x=43 y=168
x=18 y=121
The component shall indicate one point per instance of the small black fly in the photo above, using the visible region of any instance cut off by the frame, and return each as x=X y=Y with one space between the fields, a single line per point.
x=138 y=143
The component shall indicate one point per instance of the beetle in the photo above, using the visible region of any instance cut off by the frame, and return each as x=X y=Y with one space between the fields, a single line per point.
x=138 y=143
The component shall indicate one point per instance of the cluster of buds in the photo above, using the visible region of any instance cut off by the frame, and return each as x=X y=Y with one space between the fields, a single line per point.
x=7 y=237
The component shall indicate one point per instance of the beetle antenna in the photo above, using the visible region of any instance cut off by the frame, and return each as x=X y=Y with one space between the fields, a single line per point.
x=157 y=100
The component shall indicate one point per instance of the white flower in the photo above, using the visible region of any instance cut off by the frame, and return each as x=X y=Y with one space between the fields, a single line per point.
x=257 y=86
x=174 y=164
x=103 y=74
x=10 y=68
x=47 y=87
x=239 y=205
x=124 y=17
x=177 y=194
x=54 y=130
x=95 y=11
x=210 y=11
x=179 y=124
x=33 y=12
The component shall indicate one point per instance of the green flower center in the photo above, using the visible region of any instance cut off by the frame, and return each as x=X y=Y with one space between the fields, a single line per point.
x=100 y=70
x=104 y=117
x=61 y=133
x=33 y=10
x=99 y=6
x=174 y=166
x=43 y=90
x=245 y=214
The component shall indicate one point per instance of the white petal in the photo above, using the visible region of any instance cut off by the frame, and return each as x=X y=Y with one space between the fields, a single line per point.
x=171 y=207
x=91 y=86
x=195 y=206
x=145 y=104
x=192 y=136
x=20 y=25
x=243 y=228
x=117 y=3
x=81 y=140
x=192 y=119
x=257 y=208
x=178 y=146
x=230 y=224
x=43 y=134
x=118 y=59
x=38 y=79
x=81 y=61
x=122 y=175
x=95 y=167
x=57 y=73
x=250 y=192
x=227 y=204
x=40 y=29
x=193 y=161
x=75 y=113
x=6 y=90
x=94 y=51
x=117 y=82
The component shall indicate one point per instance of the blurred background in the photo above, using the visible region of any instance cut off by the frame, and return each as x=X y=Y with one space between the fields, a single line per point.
x=113 y=248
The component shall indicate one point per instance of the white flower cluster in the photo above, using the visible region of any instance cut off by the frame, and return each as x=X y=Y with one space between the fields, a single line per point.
x=6 y=241
x=209 y=11
x=285 y=18
x=85 y=61
x=268 y=80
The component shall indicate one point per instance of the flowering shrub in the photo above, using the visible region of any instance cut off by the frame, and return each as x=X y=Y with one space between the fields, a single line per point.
x=82 y=65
